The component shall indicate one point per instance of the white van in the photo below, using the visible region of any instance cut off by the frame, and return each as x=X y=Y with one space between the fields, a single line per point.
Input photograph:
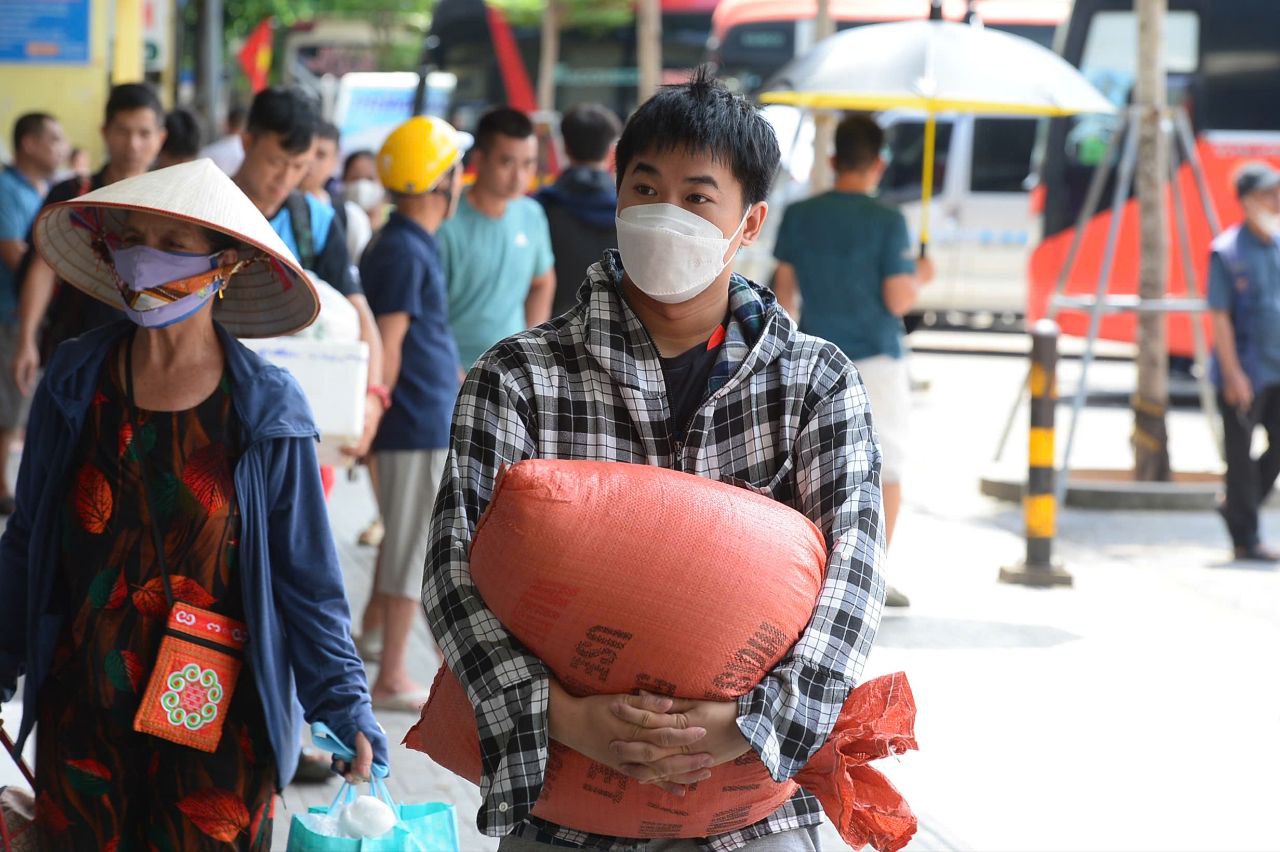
x=982 y=229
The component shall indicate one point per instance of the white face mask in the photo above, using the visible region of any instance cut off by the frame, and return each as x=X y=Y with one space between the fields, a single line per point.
x=1268 y=221
x=670 y=254
x=367 y=194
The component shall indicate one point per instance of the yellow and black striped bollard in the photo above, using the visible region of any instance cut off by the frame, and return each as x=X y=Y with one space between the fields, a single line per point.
x=1039 y=504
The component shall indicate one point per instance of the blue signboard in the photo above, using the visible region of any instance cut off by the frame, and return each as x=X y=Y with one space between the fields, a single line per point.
x=371 y=104
x=44 y=31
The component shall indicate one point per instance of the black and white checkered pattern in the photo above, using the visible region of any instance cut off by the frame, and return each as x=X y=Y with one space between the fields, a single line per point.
x=791 y=420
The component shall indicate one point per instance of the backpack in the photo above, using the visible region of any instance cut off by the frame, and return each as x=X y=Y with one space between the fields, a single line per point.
x=300 y=222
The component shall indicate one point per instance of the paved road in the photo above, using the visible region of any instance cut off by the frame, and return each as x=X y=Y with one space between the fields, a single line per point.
x=1138 y=710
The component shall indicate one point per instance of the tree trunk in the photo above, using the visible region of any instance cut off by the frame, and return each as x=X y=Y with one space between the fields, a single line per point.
x=549 y=56
x=649 y=46
x=1150 y=436
x=824 y=121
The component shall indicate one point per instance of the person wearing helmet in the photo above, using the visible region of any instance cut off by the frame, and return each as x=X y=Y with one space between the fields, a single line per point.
x=419 y=165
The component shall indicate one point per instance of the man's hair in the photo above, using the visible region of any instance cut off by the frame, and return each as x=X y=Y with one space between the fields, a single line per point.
x=355 y=155
x=31 y=124
x=288 y=114
x=236 y=117
x=182 y=139
x=502 y=121
x=703 y=117
x=128 y=97
x=588 y=131
x=329 y=130
x=859 y=141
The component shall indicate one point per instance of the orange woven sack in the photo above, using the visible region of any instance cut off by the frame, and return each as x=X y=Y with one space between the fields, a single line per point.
x=623 y=577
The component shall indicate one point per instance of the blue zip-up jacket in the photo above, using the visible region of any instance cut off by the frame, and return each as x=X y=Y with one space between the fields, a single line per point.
x=294 y=600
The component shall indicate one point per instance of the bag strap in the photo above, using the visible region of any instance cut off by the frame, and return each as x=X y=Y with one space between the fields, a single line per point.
x=135 y=424
x=300 y=222
x=17 y=756
x=340 y=213
x=323 y=737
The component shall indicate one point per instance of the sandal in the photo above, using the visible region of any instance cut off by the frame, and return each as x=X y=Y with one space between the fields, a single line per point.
x=402 y=702
x=373 y=535
x=369 y=646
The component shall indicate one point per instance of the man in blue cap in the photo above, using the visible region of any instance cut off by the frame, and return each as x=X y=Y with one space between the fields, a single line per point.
x=1244 y=299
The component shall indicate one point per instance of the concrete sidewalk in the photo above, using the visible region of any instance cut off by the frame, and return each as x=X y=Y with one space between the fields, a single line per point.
x=1138 y=710
x=415 y=778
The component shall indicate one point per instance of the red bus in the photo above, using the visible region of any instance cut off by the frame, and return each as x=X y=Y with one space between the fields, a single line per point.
x=1223 y=65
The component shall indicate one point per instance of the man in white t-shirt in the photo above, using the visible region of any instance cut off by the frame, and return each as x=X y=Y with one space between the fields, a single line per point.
x=227 y=153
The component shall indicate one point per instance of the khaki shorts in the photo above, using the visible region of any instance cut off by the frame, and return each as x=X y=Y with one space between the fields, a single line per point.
x=888 y=384
x=407 y=484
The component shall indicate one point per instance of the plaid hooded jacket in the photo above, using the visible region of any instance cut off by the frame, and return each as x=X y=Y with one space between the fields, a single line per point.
x=785 y=414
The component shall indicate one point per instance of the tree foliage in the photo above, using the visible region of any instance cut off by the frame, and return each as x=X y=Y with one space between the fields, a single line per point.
x=243 y=15
x=587 y=14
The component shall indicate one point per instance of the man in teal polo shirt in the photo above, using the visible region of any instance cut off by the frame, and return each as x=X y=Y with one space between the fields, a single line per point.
x=39 y=147
x=846 y=268
x=496 y=250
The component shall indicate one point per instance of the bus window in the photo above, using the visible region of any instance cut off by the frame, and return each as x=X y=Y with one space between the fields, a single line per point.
x=1002 y=154
x=1109 y=62
x=904 y=143
x=752 y=52
x=1240 y=70
x=1113 y=36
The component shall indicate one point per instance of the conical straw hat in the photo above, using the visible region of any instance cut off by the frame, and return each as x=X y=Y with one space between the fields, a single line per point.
x=269 y=297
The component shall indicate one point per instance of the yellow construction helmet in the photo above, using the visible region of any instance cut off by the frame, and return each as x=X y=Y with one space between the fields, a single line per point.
x=417 y=154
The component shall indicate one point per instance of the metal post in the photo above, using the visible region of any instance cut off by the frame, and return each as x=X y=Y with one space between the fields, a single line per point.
x=1039 y=504
x=822 y=177
x=1197 y=327
x=1123 y=183
x=211 y=47
x=1182 y=124
x=1087 y=211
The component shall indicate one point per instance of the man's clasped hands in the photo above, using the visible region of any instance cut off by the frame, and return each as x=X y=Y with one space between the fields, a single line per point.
x=668 y=742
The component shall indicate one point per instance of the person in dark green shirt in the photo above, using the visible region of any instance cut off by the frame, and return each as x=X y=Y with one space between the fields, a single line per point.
x=847 y=259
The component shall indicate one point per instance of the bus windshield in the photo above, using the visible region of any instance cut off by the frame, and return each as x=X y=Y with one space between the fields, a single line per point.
x=1110 y=63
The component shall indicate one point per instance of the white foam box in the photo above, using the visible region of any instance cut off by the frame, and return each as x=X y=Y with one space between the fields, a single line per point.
x=334 y=375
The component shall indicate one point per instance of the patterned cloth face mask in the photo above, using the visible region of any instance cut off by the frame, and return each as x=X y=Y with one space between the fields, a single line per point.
x=161 y=288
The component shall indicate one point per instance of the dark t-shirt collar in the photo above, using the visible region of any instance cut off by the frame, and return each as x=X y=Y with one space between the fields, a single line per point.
x=402 y=221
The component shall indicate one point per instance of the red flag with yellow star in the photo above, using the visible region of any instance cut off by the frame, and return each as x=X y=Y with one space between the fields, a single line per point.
x=255 y=56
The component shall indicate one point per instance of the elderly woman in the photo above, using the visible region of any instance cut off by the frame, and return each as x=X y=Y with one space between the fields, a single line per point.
x=170 y=485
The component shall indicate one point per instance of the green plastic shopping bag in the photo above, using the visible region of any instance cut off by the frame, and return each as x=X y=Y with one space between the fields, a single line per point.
x=428 y=827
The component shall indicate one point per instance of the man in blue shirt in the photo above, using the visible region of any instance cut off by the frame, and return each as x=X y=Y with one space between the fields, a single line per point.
x=406 y=288
x=277 y=154
x=1244 y=300
x=497 y=249
x=848 y=259
x=48 y=313
x=39 y=147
